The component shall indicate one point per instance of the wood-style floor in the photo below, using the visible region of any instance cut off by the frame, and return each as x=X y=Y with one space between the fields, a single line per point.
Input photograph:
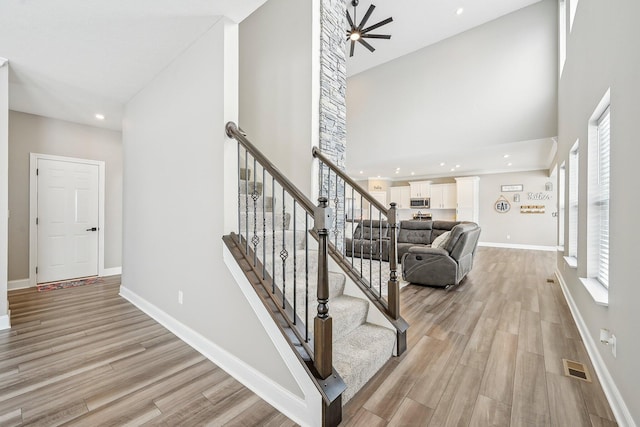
x=486 y=353
x=86 y=357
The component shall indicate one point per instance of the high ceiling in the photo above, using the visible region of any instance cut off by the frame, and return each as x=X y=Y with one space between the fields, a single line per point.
x=419 y=23
x=72 y=59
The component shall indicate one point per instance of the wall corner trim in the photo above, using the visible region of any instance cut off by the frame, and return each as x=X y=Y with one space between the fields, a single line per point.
x=3 y=61
x=5 y=322
x=257 y=382
x=618 y=406
x=18 y=284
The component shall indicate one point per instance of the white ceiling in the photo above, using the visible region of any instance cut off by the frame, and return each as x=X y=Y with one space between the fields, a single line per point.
x=72 y=59
x=420 y=23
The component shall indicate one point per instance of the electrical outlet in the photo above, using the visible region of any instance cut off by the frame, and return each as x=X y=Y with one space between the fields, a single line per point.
x=180 y=297
x=607 y=338
x=508 y=236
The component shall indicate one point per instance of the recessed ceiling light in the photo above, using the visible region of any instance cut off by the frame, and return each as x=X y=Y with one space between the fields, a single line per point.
x=378 y=176
x=509 y=164
x=100 y=116
x=441 y=163
x=413 y=173
x=452 y=169
x=506 y=156
x=459 y=11
x=397 y=170
x=361 y=172
x=457 y=166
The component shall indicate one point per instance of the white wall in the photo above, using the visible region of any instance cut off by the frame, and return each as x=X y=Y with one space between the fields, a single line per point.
x=174 y=147
x=36 y=134
x=276 y=86
x=493 y=84
x=523 y=229
x=602 y=53
x=4 y=189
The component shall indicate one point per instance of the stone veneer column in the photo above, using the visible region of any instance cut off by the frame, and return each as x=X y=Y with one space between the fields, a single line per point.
x=333 y=107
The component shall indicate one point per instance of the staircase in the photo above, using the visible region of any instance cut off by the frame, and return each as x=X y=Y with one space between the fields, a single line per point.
x=342 y=327
x=360 y=348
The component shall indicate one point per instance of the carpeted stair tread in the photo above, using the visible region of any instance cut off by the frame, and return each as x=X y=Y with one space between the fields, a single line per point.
x=281 y=222
x=359 y=355
x=348 y=313
x=248 y=187
x=247 y=201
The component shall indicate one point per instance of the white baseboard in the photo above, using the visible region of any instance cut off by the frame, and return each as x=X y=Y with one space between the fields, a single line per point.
x=518 y=246
x=111 y=271
x=618 y=406
x=282 y=399
x=5 y=322
x=18 y=284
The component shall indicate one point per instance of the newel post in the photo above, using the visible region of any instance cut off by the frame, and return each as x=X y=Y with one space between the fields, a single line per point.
x=393 y=284
x=323 y=324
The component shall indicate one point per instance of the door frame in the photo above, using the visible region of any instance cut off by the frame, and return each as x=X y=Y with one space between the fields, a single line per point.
x=33 y=209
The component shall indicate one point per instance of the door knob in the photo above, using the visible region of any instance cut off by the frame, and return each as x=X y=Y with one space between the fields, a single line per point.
x=92 y=229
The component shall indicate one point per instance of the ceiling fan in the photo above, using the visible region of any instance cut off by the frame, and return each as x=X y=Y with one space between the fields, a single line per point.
x=358 y=33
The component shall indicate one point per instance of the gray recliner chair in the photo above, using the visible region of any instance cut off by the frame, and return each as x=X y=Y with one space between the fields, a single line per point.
x=443 y=266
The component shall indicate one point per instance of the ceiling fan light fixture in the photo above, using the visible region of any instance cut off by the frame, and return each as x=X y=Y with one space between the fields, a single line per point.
x=358 y=32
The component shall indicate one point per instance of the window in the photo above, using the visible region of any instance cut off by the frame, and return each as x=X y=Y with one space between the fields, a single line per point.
x=598 y=217
x=574 y=163
x=562 y=176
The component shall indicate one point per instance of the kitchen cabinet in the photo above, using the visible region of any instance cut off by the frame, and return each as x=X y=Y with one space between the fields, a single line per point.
x=420 y=189
x=401 y=196
x=443 y=196
x=468 y=198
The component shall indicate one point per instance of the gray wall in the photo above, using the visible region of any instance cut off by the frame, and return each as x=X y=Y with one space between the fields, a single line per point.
x=276 y=84
x=174 y=145
x=35 y=134
x=523 y=229
x=602 y=53
x=4 y=187
x=493 y=84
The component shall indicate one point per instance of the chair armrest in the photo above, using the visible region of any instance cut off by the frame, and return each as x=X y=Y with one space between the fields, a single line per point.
x=427 y=250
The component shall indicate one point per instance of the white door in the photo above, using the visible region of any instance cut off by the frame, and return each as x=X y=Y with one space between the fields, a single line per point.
x=67 y=220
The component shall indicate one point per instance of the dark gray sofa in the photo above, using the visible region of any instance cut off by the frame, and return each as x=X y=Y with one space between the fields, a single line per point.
x=370 y=240
x=420 y=233
x=443 y=266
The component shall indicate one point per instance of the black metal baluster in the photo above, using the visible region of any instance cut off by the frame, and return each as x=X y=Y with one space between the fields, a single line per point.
x=239 y=193
x=264 y=226
x=380 y=254
x=295 y=263
x=283 y=253
x=273 y=235
x=336 y=230
x=254 y=196
x=306 y=277
x=246 y=201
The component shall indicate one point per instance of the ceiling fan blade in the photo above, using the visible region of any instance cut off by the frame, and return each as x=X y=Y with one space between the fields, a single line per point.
x=350 y=20
x=376 y=36
x=367 y=45
x=379 y=24
x=353 y=45
x=366 y=16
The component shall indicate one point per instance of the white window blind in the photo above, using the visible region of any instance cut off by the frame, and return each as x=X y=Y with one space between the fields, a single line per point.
x=561 y=202
x=601 y=198
x=574 y=162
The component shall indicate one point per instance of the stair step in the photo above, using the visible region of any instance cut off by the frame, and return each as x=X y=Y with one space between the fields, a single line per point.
x=348 y=314
x=359 y=355
x=268 y=223
x=248 y=187
x=248 y=201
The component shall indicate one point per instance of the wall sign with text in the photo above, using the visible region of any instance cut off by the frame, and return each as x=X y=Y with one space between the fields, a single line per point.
x=502 y=205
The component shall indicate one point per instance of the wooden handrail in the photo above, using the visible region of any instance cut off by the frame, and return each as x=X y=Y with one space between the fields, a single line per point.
x=364 y=193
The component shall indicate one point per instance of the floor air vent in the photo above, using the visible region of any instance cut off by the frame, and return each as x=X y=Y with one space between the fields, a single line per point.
x=576 y=370
x=550 y=280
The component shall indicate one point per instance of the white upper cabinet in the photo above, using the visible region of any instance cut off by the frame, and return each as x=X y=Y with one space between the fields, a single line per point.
x=401 y=196
x=420 y=189
x=443 y=196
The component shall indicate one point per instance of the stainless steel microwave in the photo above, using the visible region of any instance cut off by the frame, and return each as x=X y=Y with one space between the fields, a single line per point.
x=420 y=203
